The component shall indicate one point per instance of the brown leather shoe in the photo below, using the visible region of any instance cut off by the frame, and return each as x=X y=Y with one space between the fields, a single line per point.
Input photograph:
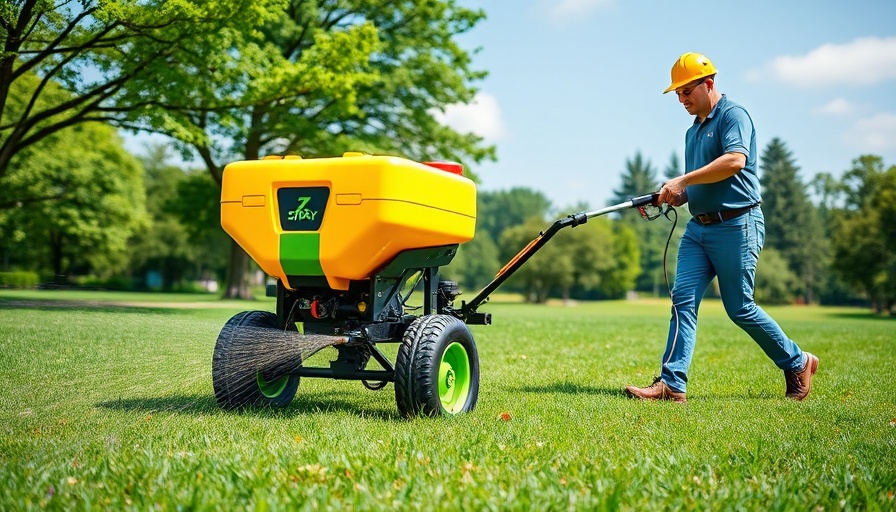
x=656 y=391
x=799 y=383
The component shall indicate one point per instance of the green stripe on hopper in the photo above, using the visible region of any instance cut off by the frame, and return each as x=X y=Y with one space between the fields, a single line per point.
x=300 y=254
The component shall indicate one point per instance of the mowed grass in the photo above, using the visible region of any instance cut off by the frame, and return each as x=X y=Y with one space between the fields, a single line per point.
x=112 y=407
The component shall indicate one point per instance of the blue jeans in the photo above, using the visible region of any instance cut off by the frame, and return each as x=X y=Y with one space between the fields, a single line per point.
x=729 y=250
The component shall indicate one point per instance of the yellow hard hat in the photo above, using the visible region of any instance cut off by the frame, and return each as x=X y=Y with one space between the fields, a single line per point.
x=689 y=67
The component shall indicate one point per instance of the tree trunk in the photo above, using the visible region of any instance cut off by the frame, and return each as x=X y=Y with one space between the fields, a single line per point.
x=7 y=62
x=237 y=286
x=809 y=296
x=56 y=258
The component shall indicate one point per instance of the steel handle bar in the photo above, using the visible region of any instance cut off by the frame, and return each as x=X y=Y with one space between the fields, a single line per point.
x=468 y=309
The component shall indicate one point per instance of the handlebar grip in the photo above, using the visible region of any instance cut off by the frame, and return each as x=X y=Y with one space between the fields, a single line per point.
x=645 y=200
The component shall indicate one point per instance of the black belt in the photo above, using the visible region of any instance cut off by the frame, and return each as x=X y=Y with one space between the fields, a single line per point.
x=722 y=216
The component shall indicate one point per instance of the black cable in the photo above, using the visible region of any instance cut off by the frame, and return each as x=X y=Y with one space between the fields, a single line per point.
x=290 y=317
x=666 y=277
x=666 y=250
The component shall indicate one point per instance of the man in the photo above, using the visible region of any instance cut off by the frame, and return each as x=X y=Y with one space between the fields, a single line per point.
x=724 y=237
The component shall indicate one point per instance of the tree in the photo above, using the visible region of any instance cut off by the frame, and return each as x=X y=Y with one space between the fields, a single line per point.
x=593 y=248
x=775 y=281
x=475 y=264
x=15 y=196
x=109 y=54
x=673 y=168
x=639 y=178
x=550 y=268
x=501 y=209
x=626 y=267
x=178 y=243
x=864 y=235
x=829 y=192
x=197 y=207
x=596 y=256
x=89 y=200
x=792 y=225
x=479 y=260
x=322 y=78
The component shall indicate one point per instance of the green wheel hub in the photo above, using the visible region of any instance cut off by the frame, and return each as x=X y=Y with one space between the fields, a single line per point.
x=437 y=368
x=454 y=378
x=271 y=388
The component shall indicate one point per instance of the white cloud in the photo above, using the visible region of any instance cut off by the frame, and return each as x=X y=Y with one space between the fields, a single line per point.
x=482 y=116
x=836 y=107
x=755 y=75
x=573 y=9
x=877 y=133
x=865 y=61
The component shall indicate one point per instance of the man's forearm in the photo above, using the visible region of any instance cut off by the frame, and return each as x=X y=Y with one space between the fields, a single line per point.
x=719 y=169
x=674 y=191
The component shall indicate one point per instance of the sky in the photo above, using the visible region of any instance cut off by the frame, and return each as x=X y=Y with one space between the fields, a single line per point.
x=574 y=87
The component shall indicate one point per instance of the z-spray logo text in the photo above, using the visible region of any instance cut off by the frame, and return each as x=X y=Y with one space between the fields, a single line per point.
x=301 y=213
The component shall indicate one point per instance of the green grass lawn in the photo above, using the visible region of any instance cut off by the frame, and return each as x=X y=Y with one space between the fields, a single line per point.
x=108 y=404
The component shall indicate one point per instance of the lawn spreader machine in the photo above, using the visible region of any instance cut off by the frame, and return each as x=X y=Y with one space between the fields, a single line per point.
x=349 y=240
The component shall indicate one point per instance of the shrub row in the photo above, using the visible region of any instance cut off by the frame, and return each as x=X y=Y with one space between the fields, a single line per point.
x=19 y=279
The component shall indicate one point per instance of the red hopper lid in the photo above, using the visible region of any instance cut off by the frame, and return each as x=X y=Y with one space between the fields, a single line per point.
x=452 y=167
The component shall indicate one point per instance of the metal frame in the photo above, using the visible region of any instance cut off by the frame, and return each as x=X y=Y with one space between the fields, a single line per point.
x=379 y=324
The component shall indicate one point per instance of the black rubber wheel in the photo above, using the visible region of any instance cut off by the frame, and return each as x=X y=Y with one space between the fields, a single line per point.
x=437 y=368
x=239 y=375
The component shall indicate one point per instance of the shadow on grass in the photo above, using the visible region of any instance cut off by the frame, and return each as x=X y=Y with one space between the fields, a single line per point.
x=313 y=403
x=84 y=305
x=572 y=388
x=189 y=404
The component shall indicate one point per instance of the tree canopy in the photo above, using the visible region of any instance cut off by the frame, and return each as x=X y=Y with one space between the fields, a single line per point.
x=321 y=78
x=792 y=226
x=311 y=77
x=86 y=198
x=673 y=168
x=501 y=209
x=639 y=178
x=596 y=256
x=864 y=236
x=113 y=56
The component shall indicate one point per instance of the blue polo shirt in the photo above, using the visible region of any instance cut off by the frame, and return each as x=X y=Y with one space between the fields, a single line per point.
x=727 y=129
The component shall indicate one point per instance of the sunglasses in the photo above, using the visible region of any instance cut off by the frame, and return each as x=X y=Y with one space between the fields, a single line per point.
x=689 y=90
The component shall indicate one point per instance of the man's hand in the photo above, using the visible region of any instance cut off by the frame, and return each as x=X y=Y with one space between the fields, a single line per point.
x=674 y=192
